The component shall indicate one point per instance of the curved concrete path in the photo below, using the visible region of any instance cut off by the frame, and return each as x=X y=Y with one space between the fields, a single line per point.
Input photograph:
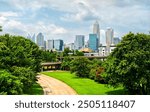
x=52 y=86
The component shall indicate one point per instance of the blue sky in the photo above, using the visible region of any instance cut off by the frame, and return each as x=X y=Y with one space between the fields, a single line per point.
x=66 y=18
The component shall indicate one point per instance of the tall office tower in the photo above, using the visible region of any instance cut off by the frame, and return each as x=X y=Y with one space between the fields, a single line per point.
x=93 y=42
x=96 y=30
x=58 y=44
x=50 y=45
x=40 y=40
x=109 y=36
x=79 y=42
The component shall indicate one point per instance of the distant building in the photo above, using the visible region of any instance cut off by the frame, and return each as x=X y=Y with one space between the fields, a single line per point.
x=96 y=30
x=109 y=36
x=40 y=40
x=93 y=42
x=116 y=40
x=50 y=45
x=70 y=46
x=32 y=38
x=58 y=44
x=79 y=42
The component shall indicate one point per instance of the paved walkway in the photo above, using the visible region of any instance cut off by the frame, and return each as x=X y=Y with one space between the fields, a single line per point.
x=52 y=86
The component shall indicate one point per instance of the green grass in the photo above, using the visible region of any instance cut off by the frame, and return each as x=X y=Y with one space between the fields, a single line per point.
x=83 y=86
x=36 y=89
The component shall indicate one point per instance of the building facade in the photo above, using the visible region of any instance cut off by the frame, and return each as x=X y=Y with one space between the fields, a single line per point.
x=40 y=40
x=79 y=42
x=93 y=42
x=58 y=44
x=109 y=36
x=96 y=30
x=50 y=45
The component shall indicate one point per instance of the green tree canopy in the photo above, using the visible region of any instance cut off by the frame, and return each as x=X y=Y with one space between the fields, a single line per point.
x=80 y=66
x=129 y=64
x=22 y=59
x=9 y=84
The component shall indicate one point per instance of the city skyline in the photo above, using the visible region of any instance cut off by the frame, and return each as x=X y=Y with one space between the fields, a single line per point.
x=65 y=19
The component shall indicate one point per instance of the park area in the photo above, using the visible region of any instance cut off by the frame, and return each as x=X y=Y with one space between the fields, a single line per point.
x=84 y=86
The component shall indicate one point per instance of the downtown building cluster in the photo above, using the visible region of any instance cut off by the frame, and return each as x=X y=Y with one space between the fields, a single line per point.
x=93 y=47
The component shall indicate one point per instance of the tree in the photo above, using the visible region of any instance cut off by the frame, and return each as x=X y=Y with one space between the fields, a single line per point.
x=18 y=51
x=66 y=63
x=129 y=64
x=80 y=66
x=9 y=84
x=22 y=59
x=48 y=56
x=66 y=52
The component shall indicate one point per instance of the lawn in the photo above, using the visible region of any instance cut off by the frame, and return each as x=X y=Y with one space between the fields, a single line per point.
x=83 y=86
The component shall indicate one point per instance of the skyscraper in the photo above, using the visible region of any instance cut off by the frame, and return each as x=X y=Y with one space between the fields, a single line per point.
x=32 y=38
x=58 y=44
x=96 y=30
x=79 y=42
x=93 y=42
x=40 y=40
x=109 y=36
x=50 y=45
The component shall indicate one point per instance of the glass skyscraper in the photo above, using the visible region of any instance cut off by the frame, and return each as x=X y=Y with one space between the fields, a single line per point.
x=58 y=44
x=93 y=42
x=79 y=42
x=50 y=45
x=40 y=40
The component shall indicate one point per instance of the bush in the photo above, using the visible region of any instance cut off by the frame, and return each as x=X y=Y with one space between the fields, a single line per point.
x=10 y=84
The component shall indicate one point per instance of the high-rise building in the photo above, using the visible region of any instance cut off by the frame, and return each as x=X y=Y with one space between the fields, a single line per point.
x=40 y=40
x=50 y=45
x=96 y=30
x=70 y=46
x=116 y=40
x=109 y=36
x=93 y=42
x=32 y=38
x=58 y=44
x=79 y=42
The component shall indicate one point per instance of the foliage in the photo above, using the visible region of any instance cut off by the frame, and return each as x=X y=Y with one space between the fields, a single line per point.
x=96 y=70
x=66 y=63
x=18 y=51
x=129 y=64
x=80 y=66
x=66 y=52
x=9 y=84
x=22 y=58
x=25 y=75
x=49 y=56
x=78 y=53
